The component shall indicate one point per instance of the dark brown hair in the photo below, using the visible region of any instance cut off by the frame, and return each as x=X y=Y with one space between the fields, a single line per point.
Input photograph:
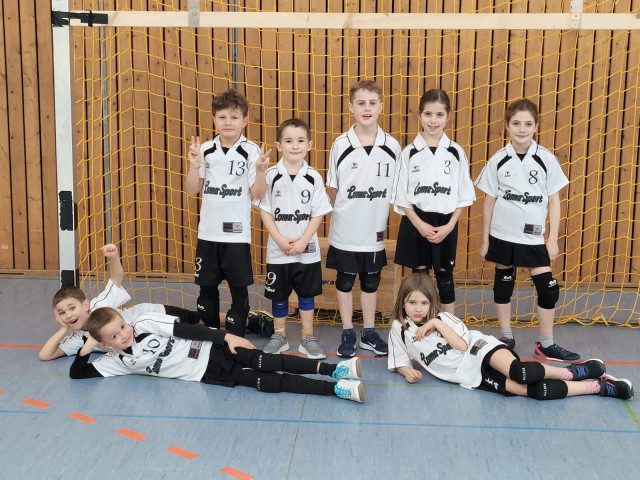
x=230 y=99
x=522 y=105
x=293 y=122
x=70 y=291
x=435 y=95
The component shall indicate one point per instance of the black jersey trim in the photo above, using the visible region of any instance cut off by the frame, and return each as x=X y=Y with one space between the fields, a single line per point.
x=141 y=337
x=275 y=179
x=453 y=151
x=387 y=150
x=503 y=161
x=347 y=151
x=539 y=162
x=210 y=150
x=412 y=152
x=242 y=152
x=310 y=179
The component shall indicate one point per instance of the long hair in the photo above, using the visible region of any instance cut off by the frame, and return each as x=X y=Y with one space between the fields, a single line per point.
x=422 y=283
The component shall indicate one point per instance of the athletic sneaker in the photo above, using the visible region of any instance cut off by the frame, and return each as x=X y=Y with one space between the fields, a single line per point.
x=348 y=341
x=555 y=353
x=311 y=348
x=509 y=342
x=350 y=390
x=593 y=368
x=615 y=387
x=260 y=322
x=277 y=344
x=349 y=369
x=371 y=341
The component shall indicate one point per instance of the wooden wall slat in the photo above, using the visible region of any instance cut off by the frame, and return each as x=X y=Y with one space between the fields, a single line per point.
x=6 y=220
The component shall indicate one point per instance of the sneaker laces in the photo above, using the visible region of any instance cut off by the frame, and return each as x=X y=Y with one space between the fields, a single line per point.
x=340 y=371
x=342 y=392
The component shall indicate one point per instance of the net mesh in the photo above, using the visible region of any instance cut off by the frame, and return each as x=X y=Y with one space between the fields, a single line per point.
x=141 y=93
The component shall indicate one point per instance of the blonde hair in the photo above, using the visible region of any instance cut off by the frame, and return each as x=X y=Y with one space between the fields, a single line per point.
x=416 y=282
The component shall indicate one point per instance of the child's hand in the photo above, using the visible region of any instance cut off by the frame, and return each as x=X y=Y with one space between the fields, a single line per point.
x=484 y=248
x=425 y=330
x=233 y=342
x=195 y=160
x=284 y=244
x=59 y=320
x=297 y=247
x=426 y=230
x=440 y=233
x=412 y=375
x=552 y=250
x=263 y=159
x=110 y=250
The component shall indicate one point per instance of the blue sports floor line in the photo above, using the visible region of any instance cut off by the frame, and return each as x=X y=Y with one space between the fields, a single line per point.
x=171 y=429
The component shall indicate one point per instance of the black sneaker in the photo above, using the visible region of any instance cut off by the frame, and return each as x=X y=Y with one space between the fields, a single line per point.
x=593 y=368
x=615 y=387
x=554 y=353
x=260 y=322
x=509 y=342
x=370 y=340
x=348 y=341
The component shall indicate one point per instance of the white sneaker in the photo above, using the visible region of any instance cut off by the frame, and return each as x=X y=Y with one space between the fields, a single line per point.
x=348 y=369
x=311 y=348
x=350 y=390
x=277 y=344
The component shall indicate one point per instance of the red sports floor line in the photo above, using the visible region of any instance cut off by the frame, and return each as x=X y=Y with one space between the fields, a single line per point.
x=182 y=452
x=6 y=345
x=82 y=418
x=36 y=403
x=232 y=472
x=131 y=434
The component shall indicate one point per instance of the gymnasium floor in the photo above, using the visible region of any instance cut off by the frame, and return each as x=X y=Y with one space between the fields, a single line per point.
x=52 y=427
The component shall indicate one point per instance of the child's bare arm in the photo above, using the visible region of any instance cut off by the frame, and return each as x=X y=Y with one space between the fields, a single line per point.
x=301 y=243
x=116 y=273
x=51 y=350
x=259 y=187
x=455 y=340
x=269 y=223
x=193 y=184
x=487 y=215
x=554 y=226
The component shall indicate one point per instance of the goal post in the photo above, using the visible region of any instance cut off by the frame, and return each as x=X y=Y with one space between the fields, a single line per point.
x=140 y=84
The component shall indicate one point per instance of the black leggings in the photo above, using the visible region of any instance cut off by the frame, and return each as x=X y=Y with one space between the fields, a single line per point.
x=260 y=370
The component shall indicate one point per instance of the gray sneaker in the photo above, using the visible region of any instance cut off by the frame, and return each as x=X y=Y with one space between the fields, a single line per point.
x=311 y=348
x=277 y=344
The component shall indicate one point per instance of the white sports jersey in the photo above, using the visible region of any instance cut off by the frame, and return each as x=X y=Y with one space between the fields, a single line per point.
x=157 y=352
x=521 y=189
x=292 y=203
x=113 y=296
x=435 y=355
x=438 y=183
x=364 y=182
x=225 y=215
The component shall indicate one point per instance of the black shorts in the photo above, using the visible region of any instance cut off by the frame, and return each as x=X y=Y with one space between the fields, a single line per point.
x=517 y=254
x=356 y=262
x=492 y=379
x=413 y=250
x=217 y=261
x=303 y=278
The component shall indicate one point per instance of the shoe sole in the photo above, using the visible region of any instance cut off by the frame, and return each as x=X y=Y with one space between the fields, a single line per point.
x=283 y=348
x=366 y=346
x=540 y=356
x=360 y=393
x=628 y=382
x=304 y=351
x=342 y=355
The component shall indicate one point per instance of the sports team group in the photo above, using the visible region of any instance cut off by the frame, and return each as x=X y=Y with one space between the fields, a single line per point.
x=428 y=183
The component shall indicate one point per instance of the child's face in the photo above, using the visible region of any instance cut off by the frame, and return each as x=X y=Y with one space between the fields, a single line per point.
x=521 y=128
x=117 y=334
x=294 y=144
x=229 y=124
x=366 y=106
x=416 y=306
x=74 y=313
x=434 y=118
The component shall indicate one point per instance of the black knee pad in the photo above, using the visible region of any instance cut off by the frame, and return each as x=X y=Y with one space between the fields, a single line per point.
x=209 y=306
x=345 y=281
x=547 y=288
x=267 y=362
x=548 y=389
x=237 y=314
x=269 y=382
x=503 y=285
x=446 y=288
x=526 y=373
x=369 y=282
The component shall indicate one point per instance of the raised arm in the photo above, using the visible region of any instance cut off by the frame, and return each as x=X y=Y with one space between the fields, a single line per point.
x=259 y=187
x=193 y=184
x=116 y=273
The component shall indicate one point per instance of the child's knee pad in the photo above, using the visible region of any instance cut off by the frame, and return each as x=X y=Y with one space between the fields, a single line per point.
x=237 y=314
x=547 y=288
x=345 y=281
x=370 y=281
x=503 y=285
x=280 y=308
x=446 y=288
x=209 y=306
x=306 y=303
x=548 y=389
x=526 y=373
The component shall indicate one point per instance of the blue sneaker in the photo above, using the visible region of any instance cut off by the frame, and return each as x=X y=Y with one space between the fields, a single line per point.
x=615 y=387
x=593 y=368
x=349 y=369
x=348 y=341
x=350 y=390
x=371 y=341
